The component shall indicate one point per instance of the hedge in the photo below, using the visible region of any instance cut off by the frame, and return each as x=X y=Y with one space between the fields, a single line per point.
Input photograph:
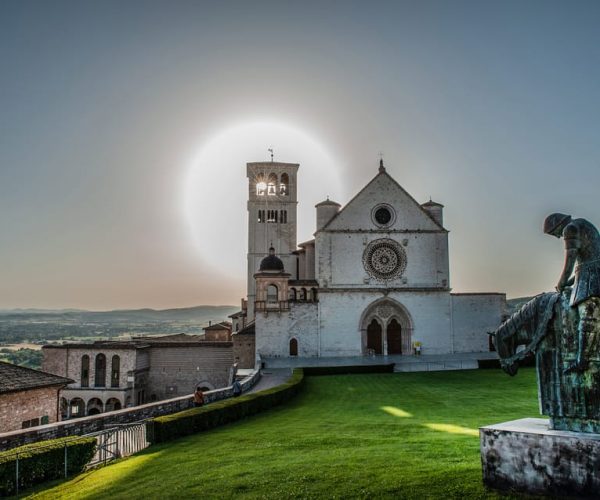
x=345 y=370
x=43 y=461
x=169 y=427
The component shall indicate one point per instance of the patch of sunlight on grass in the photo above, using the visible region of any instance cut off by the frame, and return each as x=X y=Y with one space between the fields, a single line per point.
x=453 y=429
x=97 y=479
x=397 y=412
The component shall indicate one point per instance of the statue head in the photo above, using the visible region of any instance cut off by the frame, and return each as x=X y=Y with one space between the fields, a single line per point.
x=555 y=223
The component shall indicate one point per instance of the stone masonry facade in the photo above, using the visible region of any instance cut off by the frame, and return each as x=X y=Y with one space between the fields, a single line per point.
x=28 y=408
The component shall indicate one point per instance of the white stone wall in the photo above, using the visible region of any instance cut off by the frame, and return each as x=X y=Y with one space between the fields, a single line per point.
x=340 y=260
x=473 y=315
x=341 y=313
x=356 y=215
x=275 y=330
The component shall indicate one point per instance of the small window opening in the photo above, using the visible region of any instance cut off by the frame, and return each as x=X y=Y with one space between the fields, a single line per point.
x=283 y=185
x=272 y=294
x=293 y=347
x=272 y=185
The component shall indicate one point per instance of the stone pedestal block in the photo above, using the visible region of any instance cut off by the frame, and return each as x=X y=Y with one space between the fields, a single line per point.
x=524 y=455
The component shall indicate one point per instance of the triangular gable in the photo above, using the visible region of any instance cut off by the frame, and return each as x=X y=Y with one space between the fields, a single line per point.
x=356 y=215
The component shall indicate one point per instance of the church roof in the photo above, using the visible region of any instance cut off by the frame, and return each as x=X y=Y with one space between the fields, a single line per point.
x=224 y=325
x=431 y=203
x=249 y=329
x=15 y=378
x=271 y=262
x=383 y=173
x=328 y=202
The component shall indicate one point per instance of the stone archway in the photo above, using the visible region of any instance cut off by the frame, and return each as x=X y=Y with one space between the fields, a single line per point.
x=394 y=337
x=374 y=338
x=395 y=328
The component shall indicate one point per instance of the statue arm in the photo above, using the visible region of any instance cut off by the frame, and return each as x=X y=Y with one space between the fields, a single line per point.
x=572 y=245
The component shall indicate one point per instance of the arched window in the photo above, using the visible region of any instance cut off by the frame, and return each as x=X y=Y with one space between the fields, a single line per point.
x=261 y=216
x=272 y=185
x=85 y=371
x=116 y=371
x=303 y=294
x=271 y=215
x=283 y=216
x=292 y=294
x=100 y=376
x=315 y=296
x=261 y=188
x=293 y=347
x=272 y=294
x=283 y=184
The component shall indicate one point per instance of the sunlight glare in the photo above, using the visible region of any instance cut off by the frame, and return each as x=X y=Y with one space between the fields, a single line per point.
x=453 y=429
x=216 y=188
x=396 y=412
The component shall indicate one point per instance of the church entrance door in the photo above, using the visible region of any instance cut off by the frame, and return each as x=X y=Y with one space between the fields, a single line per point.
x=394 y=337
x=374 y=339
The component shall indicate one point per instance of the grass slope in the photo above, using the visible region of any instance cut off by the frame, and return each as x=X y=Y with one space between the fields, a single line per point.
x=409 y=435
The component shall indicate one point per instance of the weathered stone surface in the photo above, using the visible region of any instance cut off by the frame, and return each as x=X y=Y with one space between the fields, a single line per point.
x=525 y=455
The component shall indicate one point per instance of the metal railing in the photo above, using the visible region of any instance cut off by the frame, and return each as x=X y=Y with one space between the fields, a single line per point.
x=119 y=441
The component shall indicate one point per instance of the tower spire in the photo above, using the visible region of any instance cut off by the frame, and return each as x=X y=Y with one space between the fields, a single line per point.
x=381 y=167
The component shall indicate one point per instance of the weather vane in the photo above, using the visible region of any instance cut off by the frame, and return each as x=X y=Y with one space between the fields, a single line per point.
x=270 y=150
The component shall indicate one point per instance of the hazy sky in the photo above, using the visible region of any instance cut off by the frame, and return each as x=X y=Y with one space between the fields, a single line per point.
x=491 y=108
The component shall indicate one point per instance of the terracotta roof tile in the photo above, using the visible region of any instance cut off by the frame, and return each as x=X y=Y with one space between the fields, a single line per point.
x=18 y=378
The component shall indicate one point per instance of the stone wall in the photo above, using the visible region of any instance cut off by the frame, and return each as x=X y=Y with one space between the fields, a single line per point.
x=66 y=362
x=342 y=312
x=86 y=425
x=21 y=406
x=244 y=349
x=178 y=370
x=277 y=329
x=473 y=315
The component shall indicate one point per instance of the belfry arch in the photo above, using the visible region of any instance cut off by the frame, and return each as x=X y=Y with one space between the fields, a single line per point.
x=394 y=323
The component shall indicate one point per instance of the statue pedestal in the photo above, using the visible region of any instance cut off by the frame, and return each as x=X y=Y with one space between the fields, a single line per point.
x=524 y=455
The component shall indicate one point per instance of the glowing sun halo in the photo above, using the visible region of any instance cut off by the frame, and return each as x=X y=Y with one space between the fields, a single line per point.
x=216 y=188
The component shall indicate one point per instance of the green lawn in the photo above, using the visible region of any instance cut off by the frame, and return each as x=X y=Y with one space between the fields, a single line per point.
x=410 y=435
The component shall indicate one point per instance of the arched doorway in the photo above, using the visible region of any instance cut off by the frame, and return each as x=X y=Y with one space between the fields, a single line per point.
x=374 y=340
x=386 y=328
x=293 y=347
x=394 y=337
x=113 y=404
x=94 y=406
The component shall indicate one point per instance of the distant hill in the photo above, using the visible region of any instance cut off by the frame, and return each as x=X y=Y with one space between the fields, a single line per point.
x=198 y=314
x=41 y=326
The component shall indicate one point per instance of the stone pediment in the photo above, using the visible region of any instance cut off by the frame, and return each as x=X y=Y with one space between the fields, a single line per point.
x=383 y=191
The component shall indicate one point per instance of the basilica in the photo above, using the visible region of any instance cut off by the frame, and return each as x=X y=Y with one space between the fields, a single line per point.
x=374 y=280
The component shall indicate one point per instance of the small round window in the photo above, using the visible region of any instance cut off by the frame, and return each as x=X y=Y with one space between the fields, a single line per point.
x=383 y=215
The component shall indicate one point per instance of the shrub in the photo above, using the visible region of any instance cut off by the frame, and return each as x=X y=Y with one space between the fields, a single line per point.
x=43 y=461
x=344 y=370
x=187 y=422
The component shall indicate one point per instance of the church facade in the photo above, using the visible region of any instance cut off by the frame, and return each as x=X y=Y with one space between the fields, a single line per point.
x=374 y=280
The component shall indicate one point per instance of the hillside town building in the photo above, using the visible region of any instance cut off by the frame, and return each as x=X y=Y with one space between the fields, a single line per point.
x=28 y=397
x=110 y=375
x=375 y=279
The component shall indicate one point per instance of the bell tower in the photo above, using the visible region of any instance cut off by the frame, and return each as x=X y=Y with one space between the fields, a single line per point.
x=272 y=202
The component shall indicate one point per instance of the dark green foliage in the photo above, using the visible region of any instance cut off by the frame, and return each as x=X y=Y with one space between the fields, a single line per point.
x=195 y=420
x=43 y=461
x=30 y=358
x=345 y=370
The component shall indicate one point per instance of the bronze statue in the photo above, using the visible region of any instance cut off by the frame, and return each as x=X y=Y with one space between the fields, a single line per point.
x=562 y=330
x=582 y=247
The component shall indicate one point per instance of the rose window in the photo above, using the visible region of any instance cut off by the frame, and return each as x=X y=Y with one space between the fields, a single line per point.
x=384 y=259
